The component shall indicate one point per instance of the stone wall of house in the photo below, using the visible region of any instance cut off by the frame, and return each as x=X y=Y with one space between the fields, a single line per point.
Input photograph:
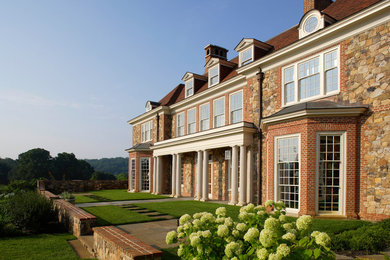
x=136 y=134
x=58 y=187
x=189 y=167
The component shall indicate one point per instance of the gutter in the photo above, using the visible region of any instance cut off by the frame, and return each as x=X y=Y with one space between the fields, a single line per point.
x=260 y=78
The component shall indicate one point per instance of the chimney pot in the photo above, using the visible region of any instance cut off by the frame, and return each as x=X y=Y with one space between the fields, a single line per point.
x=315 y=4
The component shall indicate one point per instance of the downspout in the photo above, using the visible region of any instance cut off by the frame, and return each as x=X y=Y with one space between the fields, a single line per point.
x=158 y=127
x=260 y=78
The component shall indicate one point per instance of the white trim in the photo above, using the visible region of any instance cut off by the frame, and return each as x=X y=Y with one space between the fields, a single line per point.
x=200 y=119
x=140 y=174
x=224 y=116
x=276 y=180
x=145 y=138
x=188 y=129
x=307 y=16
x=210 y=174
x=148 y=115
x=242 y=106
x=218 y=74
x=244 y=50
x=186 y=87
x=177 y=124
x=342 y=181
x=132 y=173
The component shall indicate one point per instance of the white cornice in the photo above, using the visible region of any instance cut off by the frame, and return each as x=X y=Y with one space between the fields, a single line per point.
x=149 y=114
x=314 y=113
x=246 y=42
x=319 y=36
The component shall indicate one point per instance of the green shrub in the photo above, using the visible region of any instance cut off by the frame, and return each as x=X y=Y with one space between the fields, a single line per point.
x=67 y=195
x=28 y=211
x=370 y=238
x=21 y=185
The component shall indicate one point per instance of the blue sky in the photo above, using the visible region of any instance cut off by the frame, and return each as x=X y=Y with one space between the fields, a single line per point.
x=73 y=72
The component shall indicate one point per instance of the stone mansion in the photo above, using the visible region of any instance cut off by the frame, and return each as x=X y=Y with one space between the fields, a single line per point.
x=303 y=117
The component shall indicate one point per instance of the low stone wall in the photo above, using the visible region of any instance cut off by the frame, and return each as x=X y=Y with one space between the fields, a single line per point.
x=58 y=187
x=114 y=244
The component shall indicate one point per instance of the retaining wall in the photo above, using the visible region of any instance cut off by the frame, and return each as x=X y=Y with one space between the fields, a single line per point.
x=58 y=187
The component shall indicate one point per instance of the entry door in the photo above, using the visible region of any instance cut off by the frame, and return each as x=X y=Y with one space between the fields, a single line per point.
x=210 y=181
x=330 y=173
x=145 y=172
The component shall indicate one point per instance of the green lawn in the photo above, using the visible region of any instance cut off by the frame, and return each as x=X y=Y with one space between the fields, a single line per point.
x=43 y=246
x=114 y=215
x=115 y=195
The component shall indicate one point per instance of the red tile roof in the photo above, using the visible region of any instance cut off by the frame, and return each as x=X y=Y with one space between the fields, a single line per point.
x=338 y=10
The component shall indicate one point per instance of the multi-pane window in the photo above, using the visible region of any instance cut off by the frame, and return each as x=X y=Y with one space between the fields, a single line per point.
x=180 y=124
x=146 y=131
x=214 y=75
x=191 y=121
x=204 y=115
x=219 y=112
x=144 y=174
x=316 y=77
x=189 y=88
x=288 y=171
x=246 y=56
x=132 y=174
x=330 y=160
x=236 y=107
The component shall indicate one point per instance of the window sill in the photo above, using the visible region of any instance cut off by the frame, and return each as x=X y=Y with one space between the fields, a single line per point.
x=333 y=93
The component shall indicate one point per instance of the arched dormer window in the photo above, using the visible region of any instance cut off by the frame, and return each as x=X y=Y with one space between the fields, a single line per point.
x=313 y=21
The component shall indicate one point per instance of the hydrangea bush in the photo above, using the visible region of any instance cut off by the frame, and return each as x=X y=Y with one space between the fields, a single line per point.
x=260 y=234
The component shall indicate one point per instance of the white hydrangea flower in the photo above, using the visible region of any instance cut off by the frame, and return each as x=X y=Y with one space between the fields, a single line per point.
x=275 y=257
x=180 y=229
x=197 y=215
x=241 y=227
x=260 y=208
x=272 y=224
x=171 y=237
x=288 y=226
x=195 y=240
x=262 y=253
x=269 y=203
x=283 y=250
x=180 y=251
x=223 y=231
x=315 y=233
x=236 y=233
x=184 y=219
x=283 y=218
x=220 y=220
x=231 y=249
x=252 y=234
x=207 y=217
x=181 y=235
x=267 y=238
x=229 y=239
x=234 y=258
x=323 y=239
x=293 y=231
x=187 y=226
x=199 y=248
x=243 y=215
x=228 y=222
x=289 y=237
x=221 y=211
x=250 y=207
x=197 y=223
x=206 y=233
x=280 y=205
x=261 y=213
x=304 y=222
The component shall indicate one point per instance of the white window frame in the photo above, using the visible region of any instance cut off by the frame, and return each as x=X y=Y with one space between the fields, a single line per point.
x=276 y=179
x=321 y=70
x=343 y=157
x=140 y=173
x=188 y=123
x=132 y=172
x=177 y=124
x=218 y=75
x=144 y=137
x=187 y=88
x=230 y=106
x=251 y=49
x=214 y=101
x=200 y=117
x=210 y=175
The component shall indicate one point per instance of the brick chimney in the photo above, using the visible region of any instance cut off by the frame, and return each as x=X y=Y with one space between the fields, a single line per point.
x=315 y=4
x=214 y=51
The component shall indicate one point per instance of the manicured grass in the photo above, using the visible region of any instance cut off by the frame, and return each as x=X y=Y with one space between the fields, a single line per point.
x=333 y=226
x=115 y=195
x=3 y=187
x=114 y=215
x=43 y=246
x=179 y=208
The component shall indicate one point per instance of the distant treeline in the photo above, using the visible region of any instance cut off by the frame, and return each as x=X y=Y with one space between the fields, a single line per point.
x=39 y=164
x=110 y=165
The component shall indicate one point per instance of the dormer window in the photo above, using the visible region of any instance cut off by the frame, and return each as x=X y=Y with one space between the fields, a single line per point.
x=214 y=75
x=189 y=88
x=313 y=21
x=148 y=107
x=246 y=56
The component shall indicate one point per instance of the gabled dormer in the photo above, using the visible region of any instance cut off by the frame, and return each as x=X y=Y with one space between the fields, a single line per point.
x=193 y=82
x=250 y=50
x=313 y=21
x=217 y=70
x=151 y=105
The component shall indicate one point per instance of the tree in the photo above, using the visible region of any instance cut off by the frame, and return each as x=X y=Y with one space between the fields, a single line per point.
x=4 y=169
x=102 y=176
x=122 y=177
x=33 y=164
x=67 y=167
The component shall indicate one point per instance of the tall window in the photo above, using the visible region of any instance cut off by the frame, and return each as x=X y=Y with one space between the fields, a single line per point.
x=191 y=121
x=204 y=117
x=288 y=171
x=132 y=174
x=329 y=173
x=180 y=124
x=144 y=173
x=146 y=131
x=313 y=78
x=189 y=88
x=246 y=56
x=236 y=107
x=219 y=112
x=214 y=75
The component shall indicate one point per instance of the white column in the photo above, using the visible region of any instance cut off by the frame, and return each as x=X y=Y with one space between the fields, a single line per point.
x=199 y=175
x=205 y=181
x=178 y=176
x=158 y=179
x=242 y=200
x=154 y=174
x=249 y=169
x=233 y=194
x=173 y=175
